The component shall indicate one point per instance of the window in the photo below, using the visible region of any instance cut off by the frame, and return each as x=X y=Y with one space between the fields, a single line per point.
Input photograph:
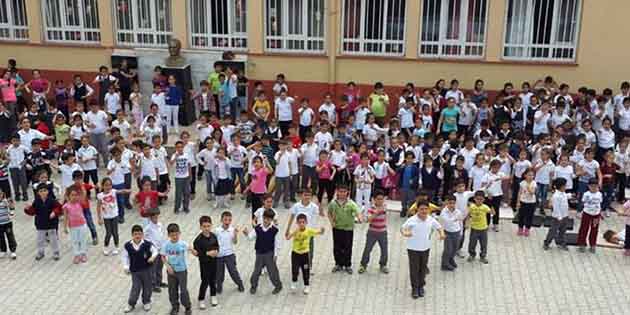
x=143 y=22
x=71 y=21
x=373 y=27
x=453 y=28
x=218 y=24
x=13 y=23
x=295 y=25
x=541 y=30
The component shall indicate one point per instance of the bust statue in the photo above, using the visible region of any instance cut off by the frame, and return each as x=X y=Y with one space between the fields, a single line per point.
x=175 y=58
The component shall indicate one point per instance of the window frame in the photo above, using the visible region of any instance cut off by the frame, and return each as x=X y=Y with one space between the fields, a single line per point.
x=462 y=43
x=65 y=29
x=529 y=46
x=231 y=36
x=361 y=40
x=11 y=25
x=137 y=31
x=304 y=37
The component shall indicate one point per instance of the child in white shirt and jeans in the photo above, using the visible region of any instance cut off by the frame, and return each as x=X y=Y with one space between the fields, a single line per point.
x=560 y=215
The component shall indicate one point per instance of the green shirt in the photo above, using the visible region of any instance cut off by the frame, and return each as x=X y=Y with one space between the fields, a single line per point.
x=378 y=104
x=343 y=214
x=215 y=84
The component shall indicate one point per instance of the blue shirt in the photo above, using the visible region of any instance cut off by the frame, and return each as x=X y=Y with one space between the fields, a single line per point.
x=176 y=254
x=225 y=88
x=174 y=96
x=406 y=177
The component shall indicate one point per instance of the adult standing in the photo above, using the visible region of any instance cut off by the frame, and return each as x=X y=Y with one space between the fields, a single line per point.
x=342 y=212
x=97 y=123
x=126 y=78
x=284 y=111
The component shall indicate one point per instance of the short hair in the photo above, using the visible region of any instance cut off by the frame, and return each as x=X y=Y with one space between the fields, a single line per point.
x=269 y=214
x=559 y=182
x=226 y=214
x=172 y=228
x=608 y=235
x=205 y=219
x=480 y=193
x=342 y=186
x=379 y=192
x=136 y=228
x=77 y=175
x=449 y=198
x=302 y=216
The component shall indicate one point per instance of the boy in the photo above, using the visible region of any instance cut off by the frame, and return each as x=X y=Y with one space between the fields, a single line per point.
x=206 y=248
x=364 y=177
x=559 y=215
x=409 y=180
x=137 y=258
x=46 y=211
x=154 y=233
x=479 y=227
x=174 y=254
x=451 y=218
x=311 y=210
x=7 y=212
x=227 y=236
x=16 y=153
x=418 y=230
x=462 y=199
x=283 y=175
x=377 y=232
x=182 y=178
x=342 y=215
x=592 y=201
x=237 y=154
x=266 y=246
x=300 y=258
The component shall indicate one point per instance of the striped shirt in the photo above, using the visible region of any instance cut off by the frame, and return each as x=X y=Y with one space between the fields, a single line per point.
x=379 y=222
x=5 y=212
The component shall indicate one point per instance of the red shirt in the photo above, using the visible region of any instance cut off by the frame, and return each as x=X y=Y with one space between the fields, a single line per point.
x=43 y=128
x=608 y=172
x=379 y=222
x=147 y=200
x=296 y=142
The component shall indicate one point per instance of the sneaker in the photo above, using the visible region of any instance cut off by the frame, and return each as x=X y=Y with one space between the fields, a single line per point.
x=582 y=249
x=421 y=292
x=564 y=247
x=157 y=289
x=202 y=305
x=56 y=256
x=129 y=308
x=213 y=301
x=519 y=232
x=349 y=270
x=484 y=261
x=115 y=252
x=447 y=268
x=293 y=286
x=146 y=307
x=384 y=269
x=105 y=252
x=252 y=290
x=362 y=270
x=188 y=311
x=174 y=311
x=526 y=232
x=13 y=255
x=336 y=269
x=83 y=258
x=495 y=227
x=545 y=247
x=39 y=256
x=276 y=290
x=414 y=294
x=241 y=288
x=592 y=249
x=460 y=254
x=94 y=241
x=3 y=255
x=307 y=290
x=470 y=259
x=163 y=285
x=76 y=260
x=121 y=221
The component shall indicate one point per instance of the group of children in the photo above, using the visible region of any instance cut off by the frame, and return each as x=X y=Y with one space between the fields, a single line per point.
x=452 y=158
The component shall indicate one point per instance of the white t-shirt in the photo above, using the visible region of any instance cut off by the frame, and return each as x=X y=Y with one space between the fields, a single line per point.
x=66 y=174
x=16 y=155
x=361 y=116
x=182 y=165
x=324 y=140
x=338 y=158
x=520 y=167
x=605 y=138
x=541 y=126
x=477 y=175
x=113 y=102
x=590 y=170
x=236 y=153
x=565 y=172
x=467 y=113
x=592 y=202
x=525 y=194
x=159 y=99
x=284 y=108
x=306 y=116
x=282 y=164
x=147 y=167
x=88 y=153
x=109 y=204
x=420 y=239
x=406 y=117
x=159 y=160
x=330 y=111
x=123 y=126
x=543 y=175
x=99 y=120
x=310 y=210
x=118 y=170
x=206 y=158
x=309 y=154
x=493 y=180
x=469 y=157
x=76 y=132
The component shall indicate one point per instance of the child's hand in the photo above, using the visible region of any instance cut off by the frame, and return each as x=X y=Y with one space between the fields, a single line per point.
x=212 y=253
x=170 y=270
x=194 y=252
x=151 y=259
x=52 y=215
x=127 y=272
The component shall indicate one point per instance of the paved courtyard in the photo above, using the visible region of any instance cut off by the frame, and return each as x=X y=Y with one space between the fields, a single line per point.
x=520 y=279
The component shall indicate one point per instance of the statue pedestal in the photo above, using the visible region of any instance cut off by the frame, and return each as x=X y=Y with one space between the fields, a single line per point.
x=183 y=75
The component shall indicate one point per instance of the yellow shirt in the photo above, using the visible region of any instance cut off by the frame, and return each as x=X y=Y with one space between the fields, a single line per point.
x=478 y=219
x=301 y=240
x=261 y=108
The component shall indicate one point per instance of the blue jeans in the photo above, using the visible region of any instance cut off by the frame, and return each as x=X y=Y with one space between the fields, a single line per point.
x=407 y=197
x=90 y=222
x=243 y=102
x=235 y=108
x=238 y=171
x=120 y=199
x=541 y=195
x=209 y=182
x=608 y=192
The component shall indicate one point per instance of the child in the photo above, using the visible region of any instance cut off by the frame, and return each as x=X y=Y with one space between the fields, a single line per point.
x=325 y=171
x=227 y=236
x=74 y=222
x=544 y=173
x=418 y=230
x=206 y=159
x=148 y=165
x=408 y=182
x=376 y=233
x=258 y=186
x=311 y=210
x=267 y=244
x=46 y=211
x=592 y=200
x=237 y=154
x=261 y=109
x=16 y=154
x=87 y=156
x=206 y=248
x=222 y=179
x=479 y=227
x=462 y=199
x=7 y=212
x=84 y=189
x=183 y=174
x=300 y=258
x=307 y=116
x=174 y=254
x=452 y=220
x=67 y=169
x=160 y=158
x=136 y=106
x=138 y=258
x=430 y=178
x=526 y=203
x=343 y=213
x=283 y=175
x=122 y=124
x=107 y=209
x=560 y=215
x=364 y=177
x=112 y=101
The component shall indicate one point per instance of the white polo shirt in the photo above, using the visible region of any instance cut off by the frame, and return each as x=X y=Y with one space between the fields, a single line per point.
x=225 y=238
x=420 y=239
x=310 y=210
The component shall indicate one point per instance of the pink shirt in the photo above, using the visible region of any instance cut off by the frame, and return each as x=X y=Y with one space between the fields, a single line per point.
x=326 y=172
x=259 y=181
x=39 y=85
x=8 y=90
x=74 y=211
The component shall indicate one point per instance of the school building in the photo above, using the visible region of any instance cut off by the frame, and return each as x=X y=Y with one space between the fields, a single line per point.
x=322 y=44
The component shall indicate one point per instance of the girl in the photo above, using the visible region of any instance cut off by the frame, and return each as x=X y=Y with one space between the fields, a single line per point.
x=190 y=150
x=7 y=212
x=564 y=169
x=151 y=129
x=258 y=184
x=526 y=203
x=592 y=200
x=338 y=160
x=62 y=130
x=382 y=170
x=371 y=130
x=221 y=177
x=478 y=93
x=586 y=170
x=544 y=173
x=492 y=183
x=605 y=139
x=74 y=222
x=622 y=158
x=477 y=173
x=326 y=172
x=136 y=107
x=107 y=210
x=77 y=131
x=87 y=156
x=519 y=170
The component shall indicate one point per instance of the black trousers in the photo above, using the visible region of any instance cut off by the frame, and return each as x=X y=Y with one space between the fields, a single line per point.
x=417 y=267
x=257 y=202
x=325 y=186
x=626 y=243
x=300 y=262
x=7 y=230
x=193 y=180
x=208 y=271
x=495 y=203
x=526 y=214
x=342 y=247
x=621 y=189
x=90 y=175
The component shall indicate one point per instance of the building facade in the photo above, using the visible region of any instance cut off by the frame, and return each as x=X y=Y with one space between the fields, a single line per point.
x=322 y=44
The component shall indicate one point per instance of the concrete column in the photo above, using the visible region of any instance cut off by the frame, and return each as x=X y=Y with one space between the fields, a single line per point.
x=35 y=22
x=180 y=22
x=106 y=21
x=494 y=31
x=412 y=29
x=255 y=26
x=333 y=35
